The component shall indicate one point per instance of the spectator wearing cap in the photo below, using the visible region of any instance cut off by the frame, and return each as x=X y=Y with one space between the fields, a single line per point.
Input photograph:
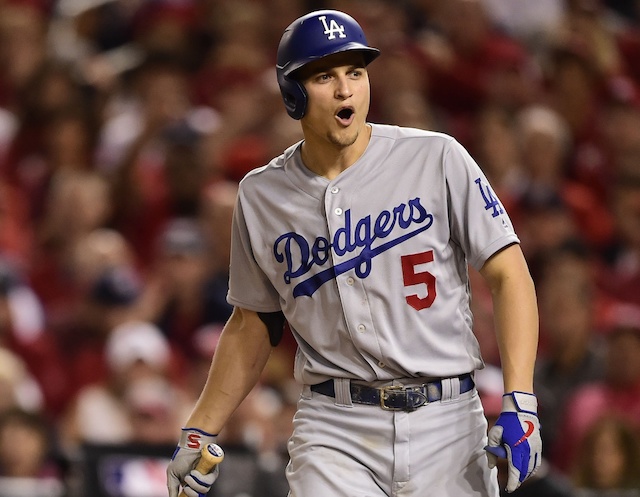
x=110 y=301
x=618 y=393
x=179 y=296
x=135 y=351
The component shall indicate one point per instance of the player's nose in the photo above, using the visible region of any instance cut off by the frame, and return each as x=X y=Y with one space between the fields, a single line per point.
x=343 y=87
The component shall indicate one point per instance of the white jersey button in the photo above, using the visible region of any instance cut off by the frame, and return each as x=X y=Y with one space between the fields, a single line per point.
x=362 y=328
x=382 y=364
x=338 y=211
x=335 y=189
x=350 y=281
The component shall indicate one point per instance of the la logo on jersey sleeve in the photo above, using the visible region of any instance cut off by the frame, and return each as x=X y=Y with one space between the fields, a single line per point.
x=491 y=202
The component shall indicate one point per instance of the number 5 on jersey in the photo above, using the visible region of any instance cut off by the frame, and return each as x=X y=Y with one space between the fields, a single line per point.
x=412 y=277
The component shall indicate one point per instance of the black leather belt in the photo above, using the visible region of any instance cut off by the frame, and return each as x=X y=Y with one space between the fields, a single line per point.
x=395 y=397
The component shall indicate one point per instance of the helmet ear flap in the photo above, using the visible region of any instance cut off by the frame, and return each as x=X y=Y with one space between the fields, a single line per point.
x=294 y=96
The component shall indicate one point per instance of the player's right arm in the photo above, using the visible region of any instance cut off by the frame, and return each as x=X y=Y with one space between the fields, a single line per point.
x=240 y=357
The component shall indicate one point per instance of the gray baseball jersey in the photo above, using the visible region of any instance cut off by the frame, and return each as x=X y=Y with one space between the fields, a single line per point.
x=370 y=268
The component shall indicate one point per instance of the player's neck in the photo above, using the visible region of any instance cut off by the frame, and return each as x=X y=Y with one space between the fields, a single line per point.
x=329 y=159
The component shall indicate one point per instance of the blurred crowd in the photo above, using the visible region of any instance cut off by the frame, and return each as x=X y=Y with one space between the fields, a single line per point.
x=125 y=127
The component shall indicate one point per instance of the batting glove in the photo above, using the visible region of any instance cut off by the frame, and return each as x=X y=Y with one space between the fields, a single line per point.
x=516 y=437
x=181 y=468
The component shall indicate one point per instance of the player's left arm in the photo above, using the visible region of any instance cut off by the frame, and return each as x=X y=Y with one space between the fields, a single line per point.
x=516 y=433
x=515 y=311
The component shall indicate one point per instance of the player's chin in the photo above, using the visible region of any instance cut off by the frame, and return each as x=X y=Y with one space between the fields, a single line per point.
x=349 y=131
x=344 y=137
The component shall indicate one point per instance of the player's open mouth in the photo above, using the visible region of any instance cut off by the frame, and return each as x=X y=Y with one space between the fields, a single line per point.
x=345 y=115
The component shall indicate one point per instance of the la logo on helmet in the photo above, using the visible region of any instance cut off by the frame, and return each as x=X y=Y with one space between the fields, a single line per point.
x=332 y=28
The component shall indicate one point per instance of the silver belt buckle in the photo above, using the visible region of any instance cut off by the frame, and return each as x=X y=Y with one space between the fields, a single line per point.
x=410 y=395
x=384 y=396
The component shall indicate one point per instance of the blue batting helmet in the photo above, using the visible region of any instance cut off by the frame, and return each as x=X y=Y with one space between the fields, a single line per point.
x=311 y=37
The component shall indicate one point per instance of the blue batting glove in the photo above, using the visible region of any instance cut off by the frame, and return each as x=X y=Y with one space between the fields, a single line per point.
x=516 y=437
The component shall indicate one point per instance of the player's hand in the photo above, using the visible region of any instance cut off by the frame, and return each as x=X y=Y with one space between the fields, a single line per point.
x=181 y=470
x=516 y=437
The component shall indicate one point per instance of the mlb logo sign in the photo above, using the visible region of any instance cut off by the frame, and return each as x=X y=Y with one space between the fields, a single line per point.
x=332 y=28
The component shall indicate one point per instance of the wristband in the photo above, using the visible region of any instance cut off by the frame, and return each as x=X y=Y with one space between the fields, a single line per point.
x=195 y=439
x=520 y=402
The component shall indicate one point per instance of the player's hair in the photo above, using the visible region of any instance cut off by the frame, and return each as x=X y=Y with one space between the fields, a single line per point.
x=312 y=37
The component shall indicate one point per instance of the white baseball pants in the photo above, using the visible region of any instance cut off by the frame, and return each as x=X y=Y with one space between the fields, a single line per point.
x=342 y=449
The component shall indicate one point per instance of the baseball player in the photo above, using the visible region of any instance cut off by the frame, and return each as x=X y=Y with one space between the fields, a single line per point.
x=360 y=236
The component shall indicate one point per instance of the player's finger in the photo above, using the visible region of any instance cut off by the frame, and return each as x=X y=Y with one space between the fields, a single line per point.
x=495 y=436
x=534 y=463
x=173 y=484
x=513 y=478
x=190 y=492
x=495 y=439
x=199 y=482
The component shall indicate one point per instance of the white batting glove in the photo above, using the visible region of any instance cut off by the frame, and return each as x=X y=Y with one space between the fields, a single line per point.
x=516 y=437
x=180 y=470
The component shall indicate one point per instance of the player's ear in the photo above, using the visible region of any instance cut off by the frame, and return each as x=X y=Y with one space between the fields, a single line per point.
x=294 y=96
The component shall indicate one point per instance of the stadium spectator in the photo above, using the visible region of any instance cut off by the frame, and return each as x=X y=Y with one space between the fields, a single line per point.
x=618 y=393
x=609 y=460
x=111 y=300
x=32 y=466
x=106 y=411
x=176 y=296
x=572 y=352
x=620 y=276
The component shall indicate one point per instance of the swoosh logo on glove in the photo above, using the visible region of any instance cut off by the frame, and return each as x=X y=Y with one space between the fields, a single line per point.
x=529 y=432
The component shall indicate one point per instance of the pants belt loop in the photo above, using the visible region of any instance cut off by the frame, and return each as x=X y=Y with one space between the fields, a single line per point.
x=450 y=389
x=342 y=387
x=306 y=392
